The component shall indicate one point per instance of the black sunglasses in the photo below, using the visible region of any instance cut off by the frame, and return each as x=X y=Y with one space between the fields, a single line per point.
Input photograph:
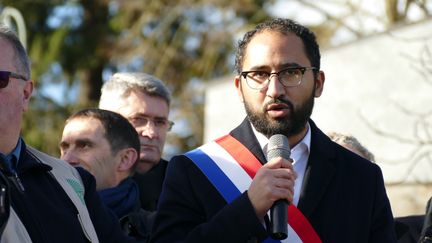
x=5 y=77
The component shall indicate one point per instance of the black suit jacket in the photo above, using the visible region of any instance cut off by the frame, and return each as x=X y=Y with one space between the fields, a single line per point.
x=343 y=196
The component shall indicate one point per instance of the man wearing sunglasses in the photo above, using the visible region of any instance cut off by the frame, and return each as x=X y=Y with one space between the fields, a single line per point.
x=4 y=202
x=50 y=201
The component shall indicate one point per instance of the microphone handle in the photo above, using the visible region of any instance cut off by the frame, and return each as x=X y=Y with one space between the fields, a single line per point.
x=279 y=217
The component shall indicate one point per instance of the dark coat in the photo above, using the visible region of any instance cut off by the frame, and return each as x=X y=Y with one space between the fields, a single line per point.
x=150 y=185
x=49 y=215
x=343 y=197
x=409 y=228
x=4 y=202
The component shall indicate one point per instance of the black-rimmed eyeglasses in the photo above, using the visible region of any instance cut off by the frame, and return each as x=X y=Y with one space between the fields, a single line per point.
x=288 y=77
x=5 y=77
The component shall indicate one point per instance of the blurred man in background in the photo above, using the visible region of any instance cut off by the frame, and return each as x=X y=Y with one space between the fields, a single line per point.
x=144 y=100
x=105 y=143
x=351 y=143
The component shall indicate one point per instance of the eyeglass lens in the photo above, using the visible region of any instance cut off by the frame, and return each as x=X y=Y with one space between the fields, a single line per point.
x=289 y=77
x=4 y=79
x=160 y=123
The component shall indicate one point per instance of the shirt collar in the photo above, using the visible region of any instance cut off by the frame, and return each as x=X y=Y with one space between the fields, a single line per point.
x=304 y=144
x=15 y=153
x=17 y=150
x=12 y=158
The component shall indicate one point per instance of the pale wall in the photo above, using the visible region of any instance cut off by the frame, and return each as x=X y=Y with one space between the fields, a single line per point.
x=376 y=81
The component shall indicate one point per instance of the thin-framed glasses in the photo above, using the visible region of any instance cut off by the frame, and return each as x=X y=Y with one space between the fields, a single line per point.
x=5 y=77
x=159 y=123
x=288 y=77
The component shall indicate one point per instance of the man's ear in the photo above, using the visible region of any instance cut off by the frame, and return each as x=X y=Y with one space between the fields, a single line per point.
x=237 y=83
x=27 y=92
x=319 y=84
x=128 y=157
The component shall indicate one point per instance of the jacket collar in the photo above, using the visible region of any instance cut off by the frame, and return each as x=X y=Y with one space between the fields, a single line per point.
x=245 y=135
x=28 y=161
x=320 y=168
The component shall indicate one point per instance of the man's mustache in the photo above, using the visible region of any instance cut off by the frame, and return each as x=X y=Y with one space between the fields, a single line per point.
x=149 y=142
x=279 y=100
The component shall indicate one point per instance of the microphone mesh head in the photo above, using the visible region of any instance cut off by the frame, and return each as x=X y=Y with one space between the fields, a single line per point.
x=278 y=146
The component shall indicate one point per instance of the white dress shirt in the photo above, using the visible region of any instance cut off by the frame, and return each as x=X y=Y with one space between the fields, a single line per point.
x=299 y=155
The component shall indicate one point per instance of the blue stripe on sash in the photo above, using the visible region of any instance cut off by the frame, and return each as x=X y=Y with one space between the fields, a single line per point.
x=216 y=176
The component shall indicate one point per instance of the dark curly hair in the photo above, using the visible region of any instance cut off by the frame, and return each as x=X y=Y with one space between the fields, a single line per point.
x=284 y=26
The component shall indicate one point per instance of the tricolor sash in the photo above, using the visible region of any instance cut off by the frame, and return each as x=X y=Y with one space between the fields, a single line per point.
x=230 y=167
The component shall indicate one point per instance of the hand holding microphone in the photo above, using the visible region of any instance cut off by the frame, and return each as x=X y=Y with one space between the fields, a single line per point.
x=274 y=181
x=278 y=146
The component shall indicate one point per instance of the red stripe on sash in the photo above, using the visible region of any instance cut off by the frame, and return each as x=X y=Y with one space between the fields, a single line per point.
x=241 y=154
x=251 y=165
x=301 y=225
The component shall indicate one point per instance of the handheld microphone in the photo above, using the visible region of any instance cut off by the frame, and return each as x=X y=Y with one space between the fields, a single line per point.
x=278 y=146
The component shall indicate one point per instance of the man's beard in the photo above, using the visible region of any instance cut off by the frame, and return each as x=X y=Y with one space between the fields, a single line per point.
x=290 y=125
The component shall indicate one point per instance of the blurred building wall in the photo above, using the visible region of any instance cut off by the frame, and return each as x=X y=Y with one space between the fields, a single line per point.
x=378 y=89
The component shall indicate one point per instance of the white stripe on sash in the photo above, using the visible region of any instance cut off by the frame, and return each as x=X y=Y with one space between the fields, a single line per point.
x=228 y=165
x=238 y=176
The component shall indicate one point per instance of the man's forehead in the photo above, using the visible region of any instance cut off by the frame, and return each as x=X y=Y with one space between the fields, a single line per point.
x=143 y=105
x=84 y=125
x=7 y=57
x=276 y=49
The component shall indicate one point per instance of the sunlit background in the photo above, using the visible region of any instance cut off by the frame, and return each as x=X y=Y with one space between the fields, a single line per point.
x=76 y=45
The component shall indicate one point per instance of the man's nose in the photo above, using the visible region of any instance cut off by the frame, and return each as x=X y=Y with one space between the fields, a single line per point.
x=275 y=89
x=149 y=130
x=70 y=157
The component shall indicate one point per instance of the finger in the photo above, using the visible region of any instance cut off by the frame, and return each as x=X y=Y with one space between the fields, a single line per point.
x=287 y=163
x=274 y=163
x=284 y=183
x=278 y=162
x=285 y=173
x=282 y=193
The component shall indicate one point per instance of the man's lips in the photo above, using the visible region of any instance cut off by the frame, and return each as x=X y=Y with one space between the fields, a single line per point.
x=278 y=106
x=148 y=147
x=278 y=110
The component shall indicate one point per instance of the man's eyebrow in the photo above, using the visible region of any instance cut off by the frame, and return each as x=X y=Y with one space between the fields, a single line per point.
x=137 y=114
x=63 y=143
x=290 y=65
x=259 y=67
x=147 y=116
x=84 y=140
x=281 y=66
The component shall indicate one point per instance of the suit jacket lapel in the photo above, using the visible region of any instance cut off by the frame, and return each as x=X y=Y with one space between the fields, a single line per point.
x=245 y=135
x=319 y=171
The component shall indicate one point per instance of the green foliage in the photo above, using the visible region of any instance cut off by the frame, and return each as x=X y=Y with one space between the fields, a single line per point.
x=45 y=49
x=183 y=42
x=43 y=124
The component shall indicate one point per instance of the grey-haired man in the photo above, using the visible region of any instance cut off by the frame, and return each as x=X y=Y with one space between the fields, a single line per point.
x=144 y=100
